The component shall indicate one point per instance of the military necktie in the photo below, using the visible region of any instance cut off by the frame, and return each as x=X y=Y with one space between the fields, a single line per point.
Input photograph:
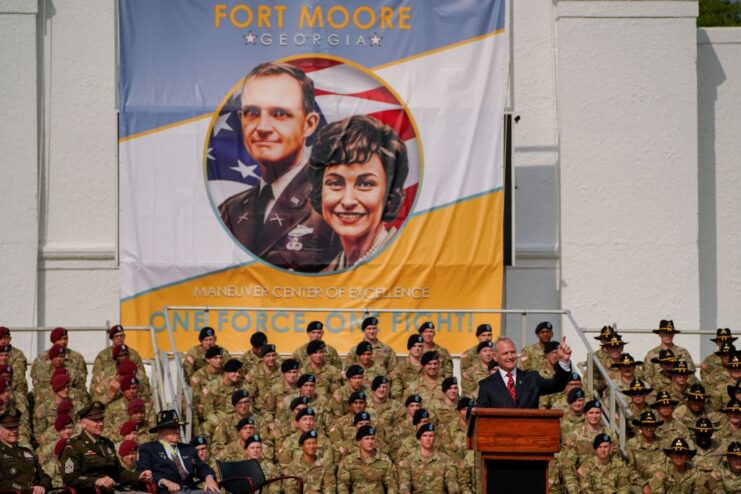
x=263 y=199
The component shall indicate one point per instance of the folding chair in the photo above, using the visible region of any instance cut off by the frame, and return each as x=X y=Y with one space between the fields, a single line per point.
x=247 y=477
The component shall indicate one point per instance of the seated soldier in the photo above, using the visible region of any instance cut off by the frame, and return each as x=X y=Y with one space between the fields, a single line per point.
x=728 y=474
x=48 y=458
x=234 y=450
x=304 y=422
x=402 y=446
x=409 y=368
x=712 y=362
x=11 y=404
x=416 y=473
x=217 y=393
x=679 y=475
x=427 y=332
x=602 y=472
x=227 y=431
x=666 y=332
x=628 y=370
x=574 y=416
x=195 y=357
x=343 y=428
x=317 y=473
x=638 y=394
x=447 y=411
x=251 y=357
x=681 y=377
x=214 y=369
x=576 y=448
x=381 y=405
x=662 y=380
x=731 y=430
x=19 y=469
x=74 y=362
x=470 y=356
x=696 y=407
x=328 y=377
x=559 y=401
x=384 y=356
x=644 y=448
x=709 y=379
x=664 y=405
x=20 y=386
x=315 y=332
x=57 y=361
x=16 y=359
x=105 y=358
x=429 y=381
x=366 y=469
x=253 y=450
x=266 y=374
x=364 y=357
x=709 y=451
x=305 y=386
x=128 y=454
x=355 y=382
x=117 y=411
x=718 y=389
x=105 y=385
x=532 y=356
x=478 y=369
x=45 y=413
x=200 y=444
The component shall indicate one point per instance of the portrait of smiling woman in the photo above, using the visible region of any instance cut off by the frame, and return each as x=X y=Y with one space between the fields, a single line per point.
x=357 y=171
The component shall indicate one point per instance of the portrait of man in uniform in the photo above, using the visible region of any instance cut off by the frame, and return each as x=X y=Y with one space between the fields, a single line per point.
x=274 y=219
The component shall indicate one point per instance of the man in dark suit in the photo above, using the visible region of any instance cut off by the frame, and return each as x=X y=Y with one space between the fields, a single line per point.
x=510 y=387
x=274 y=219
x=174 y=466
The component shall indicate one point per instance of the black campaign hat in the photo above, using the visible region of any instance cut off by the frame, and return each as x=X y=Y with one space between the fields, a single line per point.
x=723 y=334
x=647 y=418
x=697 y=393
x=666 y=326
x=680 y=446
x=637 y=388
x=734 y=449
x=665 y=357
x=704 y=426
x=663 y=398
x=605 y=333
x=626 y=360
x=167 y=419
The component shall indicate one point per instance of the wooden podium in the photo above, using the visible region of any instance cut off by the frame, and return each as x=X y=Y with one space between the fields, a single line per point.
x=516 y=445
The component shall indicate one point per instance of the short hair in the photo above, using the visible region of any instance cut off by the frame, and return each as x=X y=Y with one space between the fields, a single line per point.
x=276 y=68
x=355 y=140
x=503 y=339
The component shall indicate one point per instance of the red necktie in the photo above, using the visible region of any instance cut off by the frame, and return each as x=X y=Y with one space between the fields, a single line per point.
x=511 y=386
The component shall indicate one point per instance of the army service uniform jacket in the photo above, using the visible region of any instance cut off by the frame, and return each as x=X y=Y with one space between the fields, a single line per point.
x=19 y=469
x=85 y=460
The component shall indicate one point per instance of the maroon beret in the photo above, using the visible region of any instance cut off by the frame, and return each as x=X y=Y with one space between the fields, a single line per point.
x=57 y=333
x=128 y=427
x=4 y=331
x=128 y=381
x=56 y=350
x=118 y=349
x=6 y=369
x=135 y=406
x=60 y=371
x=126 y=367
x=62 y=420
x=5 y=384
x=115 y=330
x=59 y=382
x=127 y=447
x=65 y=407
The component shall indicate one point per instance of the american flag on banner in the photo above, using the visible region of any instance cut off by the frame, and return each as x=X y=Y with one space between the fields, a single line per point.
x=341 y=90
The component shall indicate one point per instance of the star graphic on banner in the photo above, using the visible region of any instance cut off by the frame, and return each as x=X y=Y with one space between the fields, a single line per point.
x=244 y=170
x=221 y=124
x=376 y=40
x=209 y=154
x=250 y=38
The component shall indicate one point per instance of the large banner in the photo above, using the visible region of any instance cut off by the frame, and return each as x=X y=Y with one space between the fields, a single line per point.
x=326 y=154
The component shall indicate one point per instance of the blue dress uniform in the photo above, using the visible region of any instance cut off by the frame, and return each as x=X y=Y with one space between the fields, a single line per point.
x=87 y=459
x=19 y=468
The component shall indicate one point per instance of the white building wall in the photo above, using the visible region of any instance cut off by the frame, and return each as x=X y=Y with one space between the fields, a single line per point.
x=605 y=152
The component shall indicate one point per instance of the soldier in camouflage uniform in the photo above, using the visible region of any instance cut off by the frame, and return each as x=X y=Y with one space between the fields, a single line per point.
x=409 y=368
x=55 y=365
x=48 y=459
x=447 y=412
x=718 y=388
x=250 y=358
x=328 y=377
x=384 y=409
x=679 y=476
x=318 y=474
x=227 y=431
x=266 y=374
x=712 y=362
x=709 y=379
x=728 y=475
x=12 y=404
x=576 y=448
x=104 y=386
x=644 y=449
x=682 y=378
x=342 y=428
x=628 y=369
x=253 y=450
x=200 y=444
x=74 y=362
x=427 y=332
x=195 y=357
x=429 y=381
x=20 y=387
x=234 y=450
x=559 y=401
x=106 y=361
x=452 y=442
x=19 y=469
x=364 y=357
x=216 y=395
x=666 y=332
x=471 y=356
x=602 y=472
x=383 y=355
x=16 y=359
x=403 y=445
x=532 y=356
x=709 y=450
x=315 y=332
x=45 y=413
x=355 y=382
x=637 y=393
x=477 y=370
x=731 y=430
x=573 y=417
x=213 y=370
x=305 y=387
x=664 y=406
x=304 y=422
x=117 y=411
x=696 y=407
x=366 y=470
x=427 y=470
x=90 y=459
x=662 y=380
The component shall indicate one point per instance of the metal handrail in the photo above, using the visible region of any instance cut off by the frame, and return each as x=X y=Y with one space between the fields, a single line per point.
x=184 y=392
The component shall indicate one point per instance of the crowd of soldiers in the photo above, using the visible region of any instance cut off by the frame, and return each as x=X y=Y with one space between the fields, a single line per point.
x=370 y=423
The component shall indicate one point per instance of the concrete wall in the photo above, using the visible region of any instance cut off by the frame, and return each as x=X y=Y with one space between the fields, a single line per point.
x=615 y=219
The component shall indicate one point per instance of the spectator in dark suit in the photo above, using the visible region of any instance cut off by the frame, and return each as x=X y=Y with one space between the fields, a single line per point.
x=174 y=466
x=510 y=387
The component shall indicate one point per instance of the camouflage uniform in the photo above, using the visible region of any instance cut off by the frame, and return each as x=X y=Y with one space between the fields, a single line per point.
x=375 y=475
x=226 y=431
x=471 y=377
x=614 y=477
x=339 y=402
x=234 y=451
x=73 y=362
x=383 y=356
x=535 y=357
x=726 y=480
x=688 y=418
x=429 y=390
x=116 y=413
x=691 y=481
x=650 y=369
x=469 y=358
x=331 y=356
x=44 y=415
x=104 y=361
x=250 y=359
x=264 y=380
x=289 y=450
x=101 y=383
x=267 y=400
x=19 y=363
x=576 y=448
x=216 y=399
x=711 y=365
x=342 y=436
x=194 y=359
x=708 y=460
x=384 y=413
x=284 y=418
x=48 y=460
x=328 y=378
x=370 y=373
x=428 y=475
x=198 y=381
x=20 y=469
x=645 y=459
x=671 y=429
x=446 y=361
x=77 y=387
x=318 y=477
x=405 y=372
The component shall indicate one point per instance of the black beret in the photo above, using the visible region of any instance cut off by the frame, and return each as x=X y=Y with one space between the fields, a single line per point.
x=601 y=438
x=206 y=332
x=245 y=421
x=366 y=430
x=551 y=346
x=304 y=412
x=199 y=441
x=377 y=381
x=359 y=417
x=426 y=325
x=363 y=346
x=428 y=427
x=258 y=339
x=369 y=321
x=574 y=376
x=314 y=326
x=543 y=325
x=238 y=395
x=356 y=396
x=419 y=415
x=214 y=351
x=483 y=328
x=255 y=438
x=315 y=346
x=574 y=395
x=306 y=435
x=289 y=365
x=592 y=404
x=305 y=378
x=465 y=403
x=413 y=340
x=265 y=349
x=449 y=382
x=299 y=400
x=428 y=357
x=484 y=344
x=413 y=399
x=232 y=365
x=354 y=370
